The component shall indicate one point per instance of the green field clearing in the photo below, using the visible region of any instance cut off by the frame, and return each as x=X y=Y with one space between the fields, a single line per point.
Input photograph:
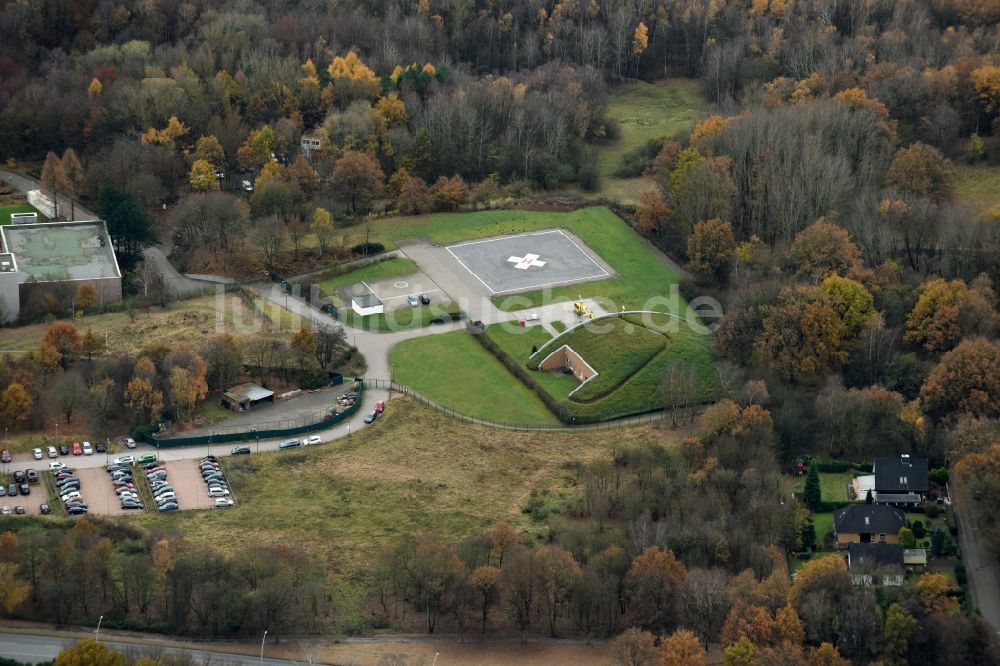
x=646 y=111
x=978 y=186
x=414 y=471
x=615 y=348
x=391 y=267
x=25 y=207
x=431 y=365
x=833 y=486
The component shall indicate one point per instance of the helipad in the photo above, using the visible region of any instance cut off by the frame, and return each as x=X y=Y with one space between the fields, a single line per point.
x=529 y=261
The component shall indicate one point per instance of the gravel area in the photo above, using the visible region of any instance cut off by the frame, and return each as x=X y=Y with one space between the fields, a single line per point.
x=99 y=493
x=189 y=487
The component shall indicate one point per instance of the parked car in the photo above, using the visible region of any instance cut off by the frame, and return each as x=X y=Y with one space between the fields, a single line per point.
x=313 y=439
x=146 y=458
x=76 y=510
x=37 y=453
x=77 y=449
x=31 y=475
x=52 y=452
x=125 y=460
x=18 y=476
x=246 y=185
x=101 y=447
x=6 y=510
x=412 y=300
x=45 y=509
x=5 y=456
x=19 y=510
x=370 y=417
x=289 y=444
x=241 y=450
x=63 y=450
x=128 y=442
x=218 y=492
x=380 y=406
x=12 y=489
x=425 y=299
x=222 y=502
x=88 y=450
x=24 y=488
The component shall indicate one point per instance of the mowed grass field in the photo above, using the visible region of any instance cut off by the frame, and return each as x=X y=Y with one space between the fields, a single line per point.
x=687 y=345
x=833 y=486
x=391 y=267
x=23 y=207
x=413 y=471
x=646 y=111
x=615 y=348
x=645 y=274
x=456 y=371
x=978 y=187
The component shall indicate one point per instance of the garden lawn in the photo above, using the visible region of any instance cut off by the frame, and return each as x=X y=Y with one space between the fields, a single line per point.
x=645 y=111
x=457 y=372
x=823 y=522
x=833 y=486
x=391 y=267
x=978 y=187
x=5 y=212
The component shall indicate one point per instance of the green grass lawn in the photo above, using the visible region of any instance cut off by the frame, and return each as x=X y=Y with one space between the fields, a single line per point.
x=487 y=390
x=833 y=486
x=978 y=186
x=25 y=207
x=644 y=273
x=391 y=267
x=823 y=522
x=646 y=111
x=641 y=393
x=615 y=348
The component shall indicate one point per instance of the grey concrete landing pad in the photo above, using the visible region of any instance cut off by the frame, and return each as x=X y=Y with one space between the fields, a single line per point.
x=529 y=261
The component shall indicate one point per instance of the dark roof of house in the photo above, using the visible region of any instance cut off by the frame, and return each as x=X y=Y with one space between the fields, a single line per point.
x=868 y=519
x=901 y=475
x=871 y=555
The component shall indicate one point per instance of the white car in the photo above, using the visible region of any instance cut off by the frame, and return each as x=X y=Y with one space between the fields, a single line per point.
x=6 y=510
x=70 y=495
x=52 y=452
x=165 y=497
x=37 y=453
x=124 y=460
x=128 y=442
x=315 y=439
x=247 y=186
x=218 y=492
x=88 y=450
x=223 y=502
x=56 y=466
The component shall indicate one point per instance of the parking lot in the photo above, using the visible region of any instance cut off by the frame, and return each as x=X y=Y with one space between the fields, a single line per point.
x=393 y=292
x=188 y=485
x=99 y=492
x=31 y=503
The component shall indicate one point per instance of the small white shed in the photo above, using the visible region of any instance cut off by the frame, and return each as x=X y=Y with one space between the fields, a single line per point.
x=367 y=304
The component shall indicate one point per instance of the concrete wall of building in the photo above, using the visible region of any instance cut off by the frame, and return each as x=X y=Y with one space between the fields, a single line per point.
x=108 y=290
x=10 y=296
x=43 y=203
x=844 y=539
x=565 y=357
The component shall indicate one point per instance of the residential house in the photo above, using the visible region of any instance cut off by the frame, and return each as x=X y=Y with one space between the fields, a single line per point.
x=900 y=481
x=312 y=144
x=867 y=523
x=875 y=564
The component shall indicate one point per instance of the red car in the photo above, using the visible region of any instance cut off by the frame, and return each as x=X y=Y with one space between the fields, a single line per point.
x=380 y=406
x=77 y=449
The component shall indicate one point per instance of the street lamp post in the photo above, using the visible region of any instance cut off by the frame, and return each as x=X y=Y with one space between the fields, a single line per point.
x=262 y=646
x=211 y=434
x=97 y=635
x=256 y=437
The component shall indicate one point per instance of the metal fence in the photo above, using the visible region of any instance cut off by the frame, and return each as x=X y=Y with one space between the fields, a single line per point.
x=320 y=420
x=648 y=417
